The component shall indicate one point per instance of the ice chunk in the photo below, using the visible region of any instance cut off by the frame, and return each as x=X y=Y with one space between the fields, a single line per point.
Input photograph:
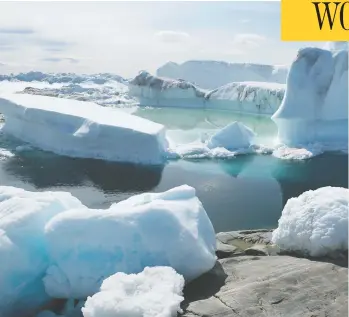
x=155 y=292
x=315 y=223
x=213 y=74
x=82 y=129
x=156 y=91
x=247 y=97
x=23 y=251
x=154 y=229
x=315 y=107
x=234 y=136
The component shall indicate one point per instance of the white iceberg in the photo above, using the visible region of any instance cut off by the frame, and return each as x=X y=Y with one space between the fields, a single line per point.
x=315 y=223
x=164 y=92
x=155 y=292
x=160 y=229
x=232 y=137
x=23 y=250
x=315 y=107
x=82 y=129
x=213 y=74
x=246 y=97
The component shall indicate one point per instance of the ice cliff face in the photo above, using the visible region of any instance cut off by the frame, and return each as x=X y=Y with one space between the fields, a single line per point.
x=213 y=74
x=315 y=107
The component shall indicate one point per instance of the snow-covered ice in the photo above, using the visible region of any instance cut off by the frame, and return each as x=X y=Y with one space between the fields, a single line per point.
x=315 y=107
x=155 y=292
x=315 y=223
x=164 y=92
x=232 y=137
x=213 y=74
x=82 y=129
x=23 y=251
x=163 y=229
x=245 y=97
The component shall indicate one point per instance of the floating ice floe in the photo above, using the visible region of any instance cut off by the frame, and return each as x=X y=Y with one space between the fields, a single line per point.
x=82 y=129
x=155 y=292
x=315 y=107
x=315 y=223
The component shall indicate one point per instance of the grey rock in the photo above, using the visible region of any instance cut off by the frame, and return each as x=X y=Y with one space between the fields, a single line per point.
x=254 y=286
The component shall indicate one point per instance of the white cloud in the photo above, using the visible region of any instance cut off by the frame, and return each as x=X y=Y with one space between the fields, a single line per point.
x=172 y=36
x=248 y=41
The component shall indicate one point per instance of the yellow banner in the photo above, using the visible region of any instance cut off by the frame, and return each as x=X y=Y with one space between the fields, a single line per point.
x=306 y=20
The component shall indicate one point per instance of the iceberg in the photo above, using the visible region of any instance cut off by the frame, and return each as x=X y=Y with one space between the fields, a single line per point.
x=164 y=92
x=155 y=229
x=315 y=106
x=315 y=223
x=82 y=129
x=245 y=97
x=155 y=292
x=213 y=74
x=232 y=137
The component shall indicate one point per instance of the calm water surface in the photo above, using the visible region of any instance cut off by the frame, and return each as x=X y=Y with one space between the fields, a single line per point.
x=245 y=192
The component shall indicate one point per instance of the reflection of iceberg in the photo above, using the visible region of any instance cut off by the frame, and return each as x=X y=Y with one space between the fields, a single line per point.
x=315 y=107
x=44 y=170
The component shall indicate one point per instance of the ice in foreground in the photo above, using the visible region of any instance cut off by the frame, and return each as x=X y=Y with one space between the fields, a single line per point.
x=23 y=249
x=82 y=129
x=54 y=245
x=160 y=229
x=315 y=107
x=155 y=292
x=315 y=223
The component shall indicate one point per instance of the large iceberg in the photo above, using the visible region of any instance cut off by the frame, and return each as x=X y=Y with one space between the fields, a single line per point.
x=164 y=92
x=163 y=229
x=245 y=97
x=82 y=129
x=155 y=292
x=315 y=223
x=315 y=107
x=213 y=74
x=23 y=251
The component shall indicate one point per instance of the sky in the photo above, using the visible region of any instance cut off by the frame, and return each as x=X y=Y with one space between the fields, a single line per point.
x=126 y=37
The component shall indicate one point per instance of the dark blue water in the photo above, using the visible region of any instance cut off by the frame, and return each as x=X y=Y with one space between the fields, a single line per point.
x=246 y=192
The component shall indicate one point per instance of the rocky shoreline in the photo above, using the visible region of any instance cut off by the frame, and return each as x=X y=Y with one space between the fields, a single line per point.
x=252 y=277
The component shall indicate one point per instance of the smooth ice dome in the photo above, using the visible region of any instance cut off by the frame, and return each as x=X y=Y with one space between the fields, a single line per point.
x=154 y=229
x=232 y=137
x=315 y=223
x=23 y=250
x=82 y=129
x=315 y=106
x=155 y=292
x=213 y=74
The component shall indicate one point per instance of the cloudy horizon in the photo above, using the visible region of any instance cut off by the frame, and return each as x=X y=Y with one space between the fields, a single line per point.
x=125 y=37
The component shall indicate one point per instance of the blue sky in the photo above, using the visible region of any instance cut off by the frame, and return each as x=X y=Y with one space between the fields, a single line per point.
x=125 y=37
